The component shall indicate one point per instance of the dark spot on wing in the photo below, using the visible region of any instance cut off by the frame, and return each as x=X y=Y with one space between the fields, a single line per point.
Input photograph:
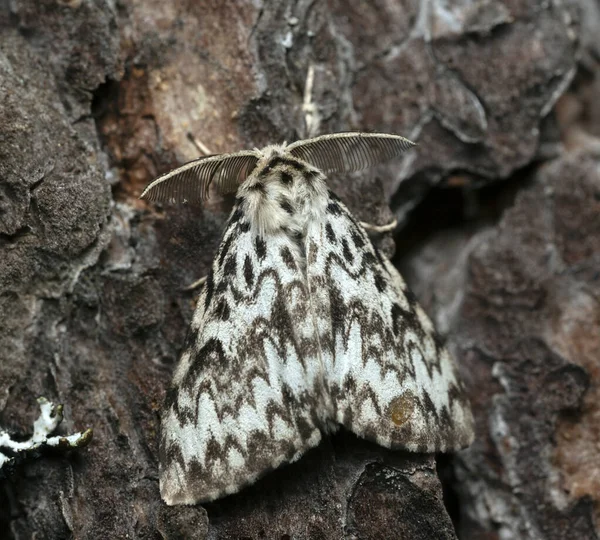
x=225 y=249
x=334 y=208
x=369 y=259
x=287 y=397
x=222 y=311
x=286 y=178
x=230 y=266
x=379 y=282
x=412 y=299
x=171 y=397
x=221 y=287
x=402 y=318
x=261 y=248
x=357 y=238
x=428 y=404
x=338 y=311
x=209 y=287
x=287 y=257
x=397 y=319
x=379 y=256
x=349 y=384
x=256 y=443
x=236 y=215
x=444 y=415
x=248 y=272
x=330 y=234
x=311 y=253
x=212 y=348
x=346 y=251
x=244 y=227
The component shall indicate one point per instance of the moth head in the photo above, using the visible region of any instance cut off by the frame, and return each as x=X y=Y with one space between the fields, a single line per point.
x=277 y=166
x=338 y=152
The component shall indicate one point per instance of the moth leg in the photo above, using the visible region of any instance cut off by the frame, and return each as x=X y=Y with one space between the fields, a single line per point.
x=196 y=284
x=388 y=227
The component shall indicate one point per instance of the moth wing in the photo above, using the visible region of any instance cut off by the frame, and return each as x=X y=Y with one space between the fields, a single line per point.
x=245 y=395
x=390 y=378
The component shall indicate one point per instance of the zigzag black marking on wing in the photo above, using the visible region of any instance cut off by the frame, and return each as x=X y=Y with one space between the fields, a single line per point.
x=241 y=296
x=356 y=311
x=214 y=388
x=279 y=339
x=361 y=275
x=279 y=304
x=403 y=319
x=215 y=391
x=255 y=458
x=216 y=451
x=402 y=334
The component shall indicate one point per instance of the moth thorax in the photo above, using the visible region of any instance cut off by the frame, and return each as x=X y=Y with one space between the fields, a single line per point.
x=282 y=194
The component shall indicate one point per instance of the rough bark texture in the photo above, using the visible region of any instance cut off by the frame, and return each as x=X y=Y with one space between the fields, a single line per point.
x=97 y=97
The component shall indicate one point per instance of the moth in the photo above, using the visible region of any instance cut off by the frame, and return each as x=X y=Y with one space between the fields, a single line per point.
x=302 y=326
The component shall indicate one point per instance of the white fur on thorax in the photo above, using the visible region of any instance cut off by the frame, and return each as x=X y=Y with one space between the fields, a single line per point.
x=307 y=196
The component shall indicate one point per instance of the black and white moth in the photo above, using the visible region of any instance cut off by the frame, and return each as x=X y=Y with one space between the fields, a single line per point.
x=302 y=326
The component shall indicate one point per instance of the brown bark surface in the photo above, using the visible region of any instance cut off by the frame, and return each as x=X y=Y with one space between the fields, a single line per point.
x=98 y=97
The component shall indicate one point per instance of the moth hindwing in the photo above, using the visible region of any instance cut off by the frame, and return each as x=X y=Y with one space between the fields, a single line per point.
x=302 y=326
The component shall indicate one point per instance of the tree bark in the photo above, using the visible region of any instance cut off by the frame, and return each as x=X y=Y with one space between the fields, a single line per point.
x=499 y=237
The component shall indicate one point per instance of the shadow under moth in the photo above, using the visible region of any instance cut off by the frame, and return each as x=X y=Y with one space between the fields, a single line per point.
x=302 y=326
